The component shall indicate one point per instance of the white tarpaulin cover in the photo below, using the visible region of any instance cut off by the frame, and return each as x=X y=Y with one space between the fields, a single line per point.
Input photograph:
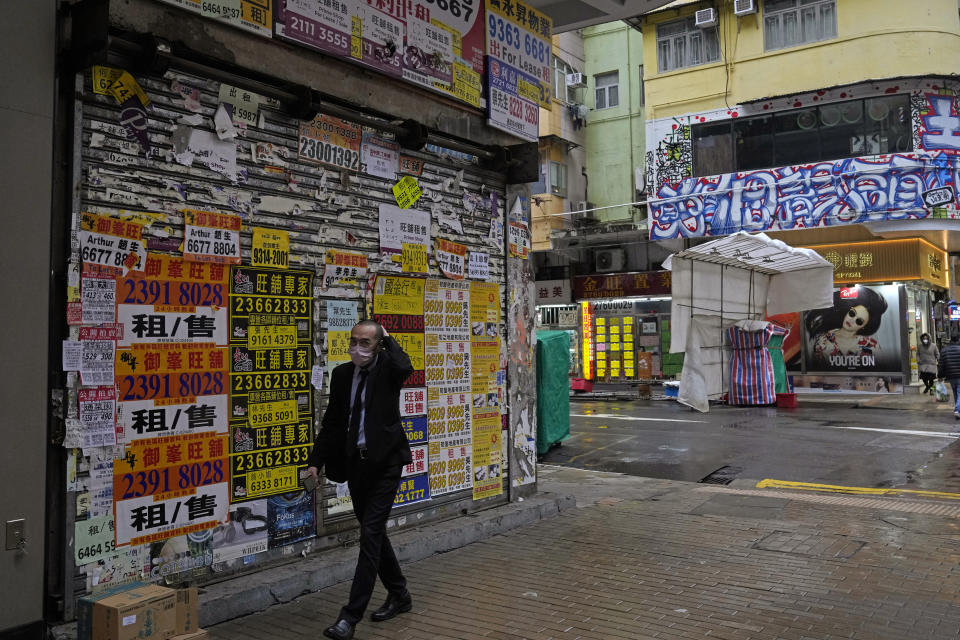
x=738 y=277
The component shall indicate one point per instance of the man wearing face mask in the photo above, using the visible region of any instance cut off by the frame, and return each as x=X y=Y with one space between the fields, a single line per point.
x=363 y=443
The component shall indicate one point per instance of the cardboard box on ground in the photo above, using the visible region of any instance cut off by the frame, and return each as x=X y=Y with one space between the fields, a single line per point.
x=188 y=611
x=139 y=611
x=142 y=612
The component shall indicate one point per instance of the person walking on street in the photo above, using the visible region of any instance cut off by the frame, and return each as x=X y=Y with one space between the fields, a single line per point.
x=950 y=369
x=927 y=358
x=363 y=443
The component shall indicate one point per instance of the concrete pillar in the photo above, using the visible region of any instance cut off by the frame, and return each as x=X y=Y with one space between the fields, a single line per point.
x=26 y=137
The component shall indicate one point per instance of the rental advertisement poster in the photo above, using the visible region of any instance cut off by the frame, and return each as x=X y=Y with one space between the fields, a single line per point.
x=255 y=16
x=171 y=381
x=398 y=305
x=485 y=415
x=860 y=333
x=437 y=45
x=271 y=400
x=448 y=370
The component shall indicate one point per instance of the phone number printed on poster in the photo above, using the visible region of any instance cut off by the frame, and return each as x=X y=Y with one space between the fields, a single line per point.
x=520 y=36
x=398 y=306
x=271 y=401
x=330 y=141
x=450 y=468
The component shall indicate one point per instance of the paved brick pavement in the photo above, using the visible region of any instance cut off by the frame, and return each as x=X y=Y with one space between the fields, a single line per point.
x=648 y=558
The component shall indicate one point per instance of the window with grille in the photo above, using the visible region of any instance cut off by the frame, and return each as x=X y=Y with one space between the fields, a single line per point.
x=789 y=23
x=682 y=44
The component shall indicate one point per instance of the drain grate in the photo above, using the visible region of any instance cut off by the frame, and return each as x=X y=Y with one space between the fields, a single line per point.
x=723 y=475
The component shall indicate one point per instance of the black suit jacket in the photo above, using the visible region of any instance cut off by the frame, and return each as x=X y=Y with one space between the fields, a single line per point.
x=386 y=441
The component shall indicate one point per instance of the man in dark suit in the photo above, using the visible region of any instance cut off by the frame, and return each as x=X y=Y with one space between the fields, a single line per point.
x=363 y=442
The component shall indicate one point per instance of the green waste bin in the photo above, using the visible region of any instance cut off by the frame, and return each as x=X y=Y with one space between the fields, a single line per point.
x=553 y=389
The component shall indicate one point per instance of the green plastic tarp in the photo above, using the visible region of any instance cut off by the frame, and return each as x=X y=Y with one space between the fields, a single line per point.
x=775 y=346
x=553 y=389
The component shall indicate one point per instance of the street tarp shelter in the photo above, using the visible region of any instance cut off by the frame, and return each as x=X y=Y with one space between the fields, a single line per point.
x=553 y=389
x=735 y=278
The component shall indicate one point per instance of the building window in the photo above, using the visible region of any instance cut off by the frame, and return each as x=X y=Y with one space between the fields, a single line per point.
x=849 y=129
x=682 y=44
x=643 y=96
x=607 y=90
x=788 y=23
x=560 y=89
x=558 y=179
x=540 y=186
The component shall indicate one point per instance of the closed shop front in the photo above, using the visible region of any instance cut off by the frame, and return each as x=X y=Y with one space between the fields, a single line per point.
x=226 y=231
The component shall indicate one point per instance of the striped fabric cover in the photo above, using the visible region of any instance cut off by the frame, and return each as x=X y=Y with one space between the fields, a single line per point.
x=751 y=369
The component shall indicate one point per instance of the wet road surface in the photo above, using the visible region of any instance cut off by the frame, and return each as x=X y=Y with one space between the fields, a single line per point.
x=836 y=443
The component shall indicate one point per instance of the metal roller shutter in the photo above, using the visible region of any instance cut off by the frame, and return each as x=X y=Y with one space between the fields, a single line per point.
x=322 y=208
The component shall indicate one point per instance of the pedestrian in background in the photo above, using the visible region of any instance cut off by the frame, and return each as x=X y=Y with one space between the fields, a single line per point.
x=363 y=442
x=949 y=369
x=928 y=356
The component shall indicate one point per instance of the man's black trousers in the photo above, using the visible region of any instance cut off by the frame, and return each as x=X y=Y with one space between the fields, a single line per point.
x=373 y=488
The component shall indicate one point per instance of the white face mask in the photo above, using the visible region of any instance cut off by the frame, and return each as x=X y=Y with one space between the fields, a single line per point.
x=360 y=356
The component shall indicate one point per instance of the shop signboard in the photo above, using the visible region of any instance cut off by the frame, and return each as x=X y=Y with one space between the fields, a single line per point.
x=586 y=327
x=886 y=261
x=553 y=291
x=859 y=334
x=622 y=285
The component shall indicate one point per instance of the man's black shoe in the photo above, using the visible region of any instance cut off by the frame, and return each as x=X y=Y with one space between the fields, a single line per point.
x=392 y=607
x=343 y=630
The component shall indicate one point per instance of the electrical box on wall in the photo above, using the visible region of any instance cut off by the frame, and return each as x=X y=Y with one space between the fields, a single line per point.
x=609 y=260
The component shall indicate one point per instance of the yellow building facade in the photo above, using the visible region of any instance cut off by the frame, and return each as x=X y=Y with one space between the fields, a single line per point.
x=875 y=39
x=562 y=184
x=819 y=122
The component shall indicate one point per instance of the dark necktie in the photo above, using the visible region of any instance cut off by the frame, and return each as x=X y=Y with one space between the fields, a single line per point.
x=358 y=405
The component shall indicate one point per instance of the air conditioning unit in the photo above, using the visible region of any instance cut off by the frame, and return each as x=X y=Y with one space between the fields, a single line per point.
x=744 y=7
x=576 y=80
x=705 y=18
x=609 y=260
x=582 y=210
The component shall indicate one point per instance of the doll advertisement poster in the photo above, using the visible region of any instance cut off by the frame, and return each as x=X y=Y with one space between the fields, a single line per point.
x=859 y=333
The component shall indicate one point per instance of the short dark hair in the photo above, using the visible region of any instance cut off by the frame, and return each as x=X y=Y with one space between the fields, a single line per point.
x=821 y=320
x=371 y=323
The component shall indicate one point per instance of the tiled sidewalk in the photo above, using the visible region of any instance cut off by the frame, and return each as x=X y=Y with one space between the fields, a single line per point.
x=657 y=559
